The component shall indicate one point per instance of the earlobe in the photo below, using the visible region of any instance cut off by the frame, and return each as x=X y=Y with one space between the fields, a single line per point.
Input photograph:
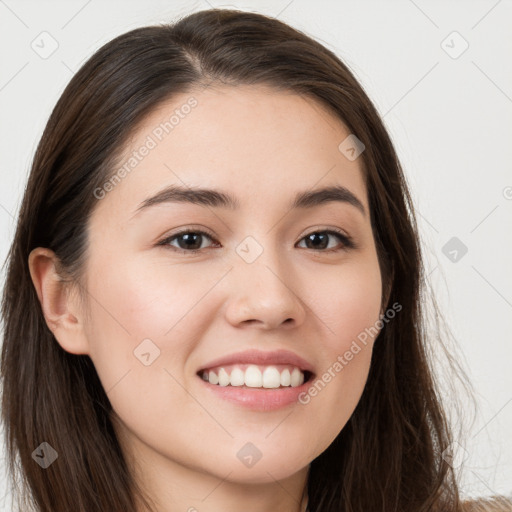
x=60 y=308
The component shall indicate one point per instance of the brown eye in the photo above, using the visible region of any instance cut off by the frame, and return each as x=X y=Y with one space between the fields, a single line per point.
x=188 y=241
x=319 y=240
x=191 y=241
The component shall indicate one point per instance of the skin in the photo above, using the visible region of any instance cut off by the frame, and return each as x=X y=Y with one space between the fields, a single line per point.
x=262 y=146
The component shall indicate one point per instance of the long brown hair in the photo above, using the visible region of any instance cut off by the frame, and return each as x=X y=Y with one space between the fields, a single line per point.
x=389 y=456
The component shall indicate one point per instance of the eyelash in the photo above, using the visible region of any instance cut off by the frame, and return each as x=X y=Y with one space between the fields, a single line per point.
x=346 y=241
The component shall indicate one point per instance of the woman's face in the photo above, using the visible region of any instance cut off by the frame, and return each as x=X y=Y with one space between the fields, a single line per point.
x=269 y=276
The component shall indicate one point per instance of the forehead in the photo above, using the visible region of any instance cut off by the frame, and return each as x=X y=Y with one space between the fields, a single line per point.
x=254 y=141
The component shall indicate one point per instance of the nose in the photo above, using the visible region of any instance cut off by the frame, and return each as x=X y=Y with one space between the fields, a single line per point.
x=264 y=294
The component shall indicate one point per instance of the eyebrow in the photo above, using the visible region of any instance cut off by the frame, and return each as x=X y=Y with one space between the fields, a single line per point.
x=219 y=199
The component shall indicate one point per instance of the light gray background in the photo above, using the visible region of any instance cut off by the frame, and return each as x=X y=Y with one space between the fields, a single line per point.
x=449 y=115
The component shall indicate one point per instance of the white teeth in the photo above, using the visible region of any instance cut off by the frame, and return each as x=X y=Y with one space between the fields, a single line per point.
x=253 y=377
x=237 y=377
x=295 y=378
x=271 y=377
x=223 y=377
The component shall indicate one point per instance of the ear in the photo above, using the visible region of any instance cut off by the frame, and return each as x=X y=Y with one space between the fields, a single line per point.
x=61 y=309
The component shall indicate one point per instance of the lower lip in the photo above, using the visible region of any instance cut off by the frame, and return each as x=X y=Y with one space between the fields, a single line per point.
x=259 y=399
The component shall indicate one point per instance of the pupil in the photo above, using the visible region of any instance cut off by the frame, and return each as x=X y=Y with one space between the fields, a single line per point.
x=191 y=237
x=322 y=245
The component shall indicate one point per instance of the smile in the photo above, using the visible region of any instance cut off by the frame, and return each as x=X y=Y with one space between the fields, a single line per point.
x=254 y=376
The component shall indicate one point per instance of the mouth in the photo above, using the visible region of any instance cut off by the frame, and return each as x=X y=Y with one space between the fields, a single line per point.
x=260 y=381
x=252 y=376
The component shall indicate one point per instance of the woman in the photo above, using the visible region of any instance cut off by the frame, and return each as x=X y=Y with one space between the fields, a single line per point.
x=213 y=294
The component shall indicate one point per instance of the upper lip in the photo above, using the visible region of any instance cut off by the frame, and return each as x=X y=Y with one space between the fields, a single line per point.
x=262 y=358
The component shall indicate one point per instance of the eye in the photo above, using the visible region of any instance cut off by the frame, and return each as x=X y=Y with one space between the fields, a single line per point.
x=190 y=241
x=318 y=239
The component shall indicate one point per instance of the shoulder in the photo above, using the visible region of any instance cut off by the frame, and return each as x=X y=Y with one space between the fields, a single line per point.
x=494 y=504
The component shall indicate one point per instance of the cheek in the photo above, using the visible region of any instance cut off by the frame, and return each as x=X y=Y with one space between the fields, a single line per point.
x=140 y=307
x=349 y=307
x=348 y=301
x=141 y=299
x=127 y=309
x=145 y=323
